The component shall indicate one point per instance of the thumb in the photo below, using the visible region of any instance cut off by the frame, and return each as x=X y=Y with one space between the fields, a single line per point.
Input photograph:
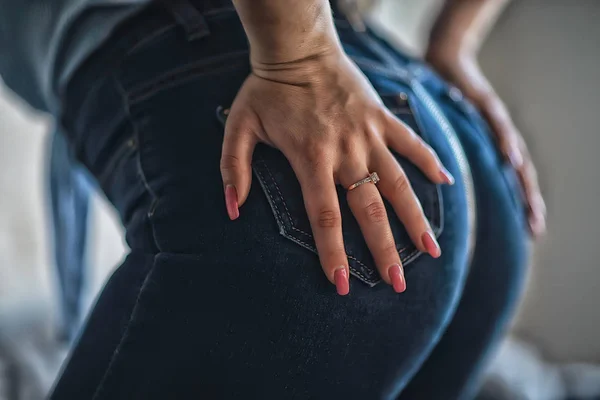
x=236 y=158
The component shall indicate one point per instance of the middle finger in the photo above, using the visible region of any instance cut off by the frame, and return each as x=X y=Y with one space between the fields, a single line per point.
x=396 y=188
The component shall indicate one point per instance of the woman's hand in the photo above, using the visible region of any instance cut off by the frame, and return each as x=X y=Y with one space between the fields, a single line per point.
x=329 y=122
x=461 y=68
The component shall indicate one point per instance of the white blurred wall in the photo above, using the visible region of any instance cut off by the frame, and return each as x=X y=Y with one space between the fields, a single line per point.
x=25 y=263
x=543 y=60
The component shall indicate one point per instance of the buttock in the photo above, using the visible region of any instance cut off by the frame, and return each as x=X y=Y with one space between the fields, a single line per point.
x=243 y=306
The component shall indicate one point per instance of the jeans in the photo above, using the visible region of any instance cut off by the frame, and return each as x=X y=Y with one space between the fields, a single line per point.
x=204 y=307
x=69 y=187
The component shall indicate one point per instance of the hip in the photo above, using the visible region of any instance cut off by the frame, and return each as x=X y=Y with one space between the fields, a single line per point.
x=145 y=116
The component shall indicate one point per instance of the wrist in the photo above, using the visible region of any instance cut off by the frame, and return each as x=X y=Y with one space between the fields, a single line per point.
x=282 y=31
x=294 y=50
x=451 y=42
x=311 y=70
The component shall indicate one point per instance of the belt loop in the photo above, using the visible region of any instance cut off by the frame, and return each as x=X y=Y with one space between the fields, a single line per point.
x=188 y=16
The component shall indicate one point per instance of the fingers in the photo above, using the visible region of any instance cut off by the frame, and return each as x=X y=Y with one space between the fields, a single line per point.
x=236 y=158
x=322 y=207
x=514 y=150
x=407 y=143
x=506 y=134
x=368 y=209
x=536 y=208
x=396 y=188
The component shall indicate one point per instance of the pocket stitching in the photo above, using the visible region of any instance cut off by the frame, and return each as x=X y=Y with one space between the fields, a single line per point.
x=282 y=224
x=290 y=217
x=284 y=204
x=312 y=248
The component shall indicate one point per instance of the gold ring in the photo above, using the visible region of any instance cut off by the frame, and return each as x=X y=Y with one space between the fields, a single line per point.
x=373 y=178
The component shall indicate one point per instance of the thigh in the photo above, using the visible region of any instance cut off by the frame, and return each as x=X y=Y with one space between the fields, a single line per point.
x=87 y=362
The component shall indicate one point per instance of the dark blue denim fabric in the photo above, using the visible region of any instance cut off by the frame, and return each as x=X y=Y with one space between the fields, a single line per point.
x=209 y=308
x=69 y=187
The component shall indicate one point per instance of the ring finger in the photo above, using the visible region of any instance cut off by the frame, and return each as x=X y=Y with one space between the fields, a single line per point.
x=368 y=209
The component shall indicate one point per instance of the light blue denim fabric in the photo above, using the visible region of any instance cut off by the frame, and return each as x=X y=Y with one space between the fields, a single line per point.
x=70 y=188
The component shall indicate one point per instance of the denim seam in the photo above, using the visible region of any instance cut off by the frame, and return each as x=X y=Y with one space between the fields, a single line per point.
x=437 y=210
x=159 y=32
x=140 y=169
x=193 y=70
x=141 y=174
x=125 y=150
x=124 y=336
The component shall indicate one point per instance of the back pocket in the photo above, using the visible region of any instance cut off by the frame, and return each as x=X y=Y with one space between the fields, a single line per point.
x=280 y=185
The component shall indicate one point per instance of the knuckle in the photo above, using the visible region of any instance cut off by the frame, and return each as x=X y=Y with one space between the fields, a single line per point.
x=230 y=162
x=328 y=219
x=375 y=212
x=350 y=147
x=314 y=151
x=389 y=247
x=401 y=186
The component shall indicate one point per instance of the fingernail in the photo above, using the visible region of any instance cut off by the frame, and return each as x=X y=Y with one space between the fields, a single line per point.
x=515 y=158
x=447 y=176
x=431 y=244
x=231 y=202
x=342 y=284
x=537 y=225
x=397 y=277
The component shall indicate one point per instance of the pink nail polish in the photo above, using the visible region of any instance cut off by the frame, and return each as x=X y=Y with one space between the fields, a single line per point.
x=397 y=277
x=447 y=176
x=342 y=284
x=431 y=244
x=231 y=202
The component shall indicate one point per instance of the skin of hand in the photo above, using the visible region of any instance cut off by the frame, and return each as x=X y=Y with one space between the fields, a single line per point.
x=326 y=118
x=453 y=48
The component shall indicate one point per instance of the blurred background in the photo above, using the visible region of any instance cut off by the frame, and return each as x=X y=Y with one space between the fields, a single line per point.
x=542 y=58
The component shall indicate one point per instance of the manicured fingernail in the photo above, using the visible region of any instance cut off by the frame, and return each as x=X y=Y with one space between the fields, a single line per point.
x=431 y=244
x=342 y=284
x=447 y=176
x=515 y=158
x=231 y=202
x=397 y=277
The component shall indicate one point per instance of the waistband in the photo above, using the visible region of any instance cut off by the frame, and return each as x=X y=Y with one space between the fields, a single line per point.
x=153 y=20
